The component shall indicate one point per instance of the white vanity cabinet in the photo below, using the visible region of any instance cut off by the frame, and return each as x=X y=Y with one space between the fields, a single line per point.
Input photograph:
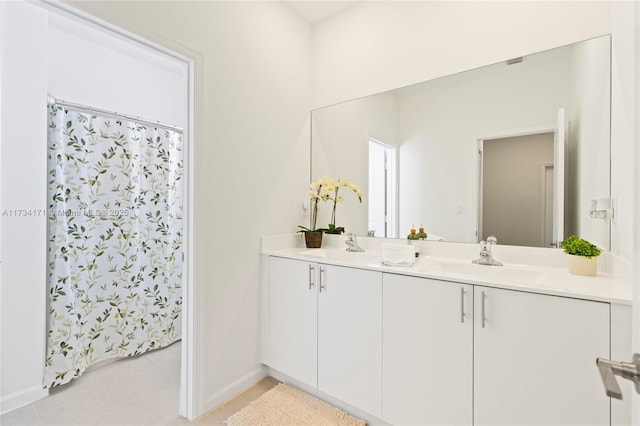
x=531 y=360
x=350 y=336
x=293 y=319
x=325 y=329
x=424 y=351
x=427 y=351
x=534 y=359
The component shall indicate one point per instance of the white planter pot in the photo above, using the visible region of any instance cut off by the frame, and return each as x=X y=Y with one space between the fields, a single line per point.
x=580 y=265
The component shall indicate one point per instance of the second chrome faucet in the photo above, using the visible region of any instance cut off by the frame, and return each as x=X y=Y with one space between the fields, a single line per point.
x=352 y=243
x=486 y=258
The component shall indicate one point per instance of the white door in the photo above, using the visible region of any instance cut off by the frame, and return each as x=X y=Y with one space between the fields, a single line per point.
x=293 y=319
x=350 y=336
x=558 y=178
x=427 y=336
x=534 y=359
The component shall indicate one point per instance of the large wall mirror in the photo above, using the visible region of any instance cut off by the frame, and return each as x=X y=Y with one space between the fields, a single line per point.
x=517 y=149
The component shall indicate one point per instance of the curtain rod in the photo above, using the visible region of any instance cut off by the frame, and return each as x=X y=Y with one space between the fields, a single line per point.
x=53 y=101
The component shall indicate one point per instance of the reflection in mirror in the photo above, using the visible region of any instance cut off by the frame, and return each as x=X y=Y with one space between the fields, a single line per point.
x=480 y=152
x=515 y=192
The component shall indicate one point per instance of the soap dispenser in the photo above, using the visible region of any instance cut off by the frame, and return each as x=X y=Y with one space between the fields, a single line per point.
x=421 y=234
x=413 y=239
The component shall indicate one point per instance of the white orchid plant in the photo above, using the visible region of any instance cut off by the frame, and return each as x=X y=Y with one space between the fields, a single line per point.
x=328 y=189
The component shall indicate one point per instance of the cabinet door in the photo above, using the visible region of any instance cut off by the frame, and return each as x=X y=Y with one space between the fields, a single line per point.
x=350 y=336
x=534 y=359
x=293 y=308
x=427 y=351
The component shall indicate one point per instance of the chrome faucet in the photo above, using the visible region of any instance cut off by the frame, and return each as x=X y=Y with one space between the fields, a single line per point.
x=352 y=243
x=486 y=258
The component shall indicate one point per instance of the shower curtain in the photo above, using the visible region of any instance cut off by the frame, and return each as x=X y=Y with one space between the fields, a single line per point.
x=115 y=240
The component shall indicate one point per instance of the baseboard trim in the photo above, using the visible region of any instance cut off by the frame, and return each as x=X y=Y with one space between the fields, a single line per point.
x=21 y=398
x=234 y=388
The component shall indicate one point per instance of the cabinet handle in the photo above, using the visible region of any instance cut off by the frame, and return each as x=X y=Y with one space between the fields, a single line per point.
x=462 y=304
x=311 y=269
x=321 y=286
x=483 y=296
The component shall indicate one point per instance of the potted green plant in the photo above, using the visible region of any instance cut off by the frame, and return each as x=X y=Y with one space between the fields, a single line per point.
x=313 y=235
x=583 y=256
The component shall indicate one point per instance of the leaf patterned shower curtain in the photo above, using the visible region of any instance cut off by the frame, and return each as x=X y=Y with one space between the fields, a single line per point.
x=115 y=240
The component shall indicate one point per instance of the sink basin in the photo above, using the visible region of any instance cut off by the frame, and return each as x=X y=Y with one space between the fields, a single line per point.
x=457 y=268
x=339 y=254
x=510 y=274
x=447 y=267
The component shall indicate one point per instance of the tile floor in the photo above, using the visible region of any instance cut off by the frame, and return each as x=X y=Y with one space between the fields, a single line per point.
x=136 y=391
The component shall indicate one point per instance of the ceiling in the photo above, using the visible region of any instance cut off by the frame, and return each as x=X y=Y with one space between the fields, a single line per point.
x=317 y=11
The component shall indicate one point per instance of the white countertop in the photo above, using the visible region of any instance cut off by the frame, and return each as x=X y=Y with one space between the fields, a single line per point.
x=530 y=278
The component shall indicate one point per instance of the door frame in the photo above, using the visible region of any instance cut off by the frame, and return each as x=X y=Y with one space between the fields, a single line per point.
x=191 y=404
x=543 y=198
x=522 y=131
x=391 y=185
x=635 y=339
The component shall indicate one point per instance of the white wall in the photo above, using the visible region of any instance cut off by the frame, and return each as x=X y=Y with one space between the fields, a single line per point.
x=589 y=156
x=43 y=52
x=23 y=245
x=376 y=46
x=92 y=67
x=623 y=113
x=252 y=157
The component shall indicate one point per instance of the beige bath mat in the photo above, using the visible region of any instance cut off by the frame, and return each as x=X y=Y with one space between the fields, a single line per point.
x=283 y=405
